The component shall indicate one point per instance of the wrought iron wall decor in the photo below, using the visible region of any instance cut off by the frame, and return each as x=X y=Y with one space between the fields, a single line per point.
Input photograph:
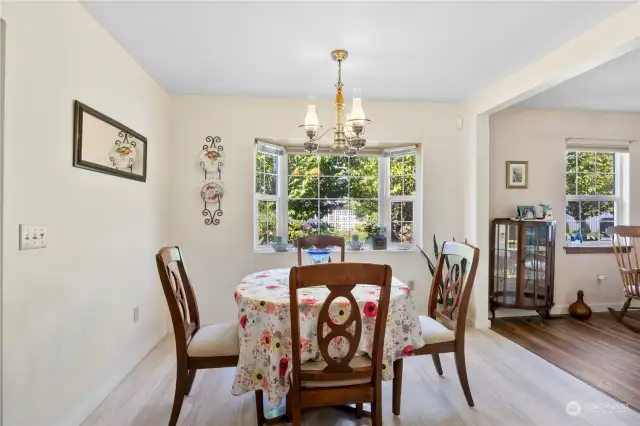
x=102 y=144
x=211 y=162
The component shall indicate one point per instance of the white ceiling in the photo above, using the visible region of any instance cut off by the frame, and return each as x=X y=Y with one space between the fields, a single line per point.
x=614 y=86
x=400 y=51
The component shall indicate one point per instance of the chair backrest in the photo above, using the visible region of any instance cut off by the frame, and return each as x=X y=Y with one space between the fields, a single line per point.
x=179 y=294
x=340 y=279
x=453 y=286
x=320 y=241
x=624 y=247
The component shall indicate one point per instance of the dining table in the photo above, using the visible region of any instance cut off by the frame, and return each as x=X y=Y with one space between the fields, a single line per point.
x=264 y=329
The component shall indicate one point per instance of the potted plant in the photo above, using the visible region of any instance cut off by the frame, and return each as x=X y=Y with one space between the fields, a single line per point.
x=370 y=228
x=380 y=239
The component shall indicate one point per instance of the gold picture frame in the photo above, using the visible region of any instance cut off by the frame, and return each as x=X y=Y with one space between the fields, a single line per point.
x=517 y=174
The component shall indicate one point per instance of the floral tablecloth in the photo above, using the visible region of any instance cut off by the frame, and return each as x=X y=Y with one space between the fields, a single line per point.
x=265 y=329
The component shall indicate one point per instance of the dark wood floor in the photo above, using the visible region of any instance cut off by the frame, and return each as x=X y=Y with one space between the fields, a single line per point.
x=600 y=352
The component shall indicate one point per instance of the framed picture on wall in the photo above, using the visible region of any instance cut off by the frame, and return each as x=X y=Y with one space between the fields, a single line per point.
x=517 y=174
x=102 y=144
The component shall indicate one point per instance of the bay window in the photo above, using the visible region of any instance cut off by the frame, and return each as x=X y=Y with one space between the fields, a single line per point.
x=298 y=194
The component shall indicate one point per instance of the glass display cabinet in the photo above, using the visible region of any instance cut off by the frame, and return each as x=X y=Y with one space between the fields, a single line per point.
x=521 y=265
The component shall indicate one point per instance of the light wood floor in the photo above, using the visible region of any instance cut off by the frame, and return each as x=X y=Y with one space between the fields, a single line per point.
x=510 y=386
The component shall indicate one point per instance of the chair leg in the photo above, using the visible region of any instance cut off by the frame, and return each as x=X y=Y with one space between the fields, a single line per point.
x=191 y=377
x=359 y=411
x=623 y=312
x=181 y=389
x=296 y=411
x=436 y=362
x=462 y=373
x=376 y=406
x=259 y=408
x=397 y=385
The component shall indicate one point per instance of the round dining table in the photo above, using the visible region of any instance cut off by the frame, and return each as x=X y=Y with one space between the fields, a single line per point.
x=264 y=328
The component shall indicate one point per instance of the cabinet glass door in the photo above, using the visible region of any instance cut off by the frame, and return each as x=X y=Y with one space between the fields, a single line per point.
x=535 y=264
x=505 y=256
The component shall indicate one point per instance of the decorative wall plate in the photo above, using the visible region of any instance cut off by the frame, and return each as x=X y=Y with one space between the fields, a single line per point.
x=211 y=159
x=212 y=190
x=123 y=155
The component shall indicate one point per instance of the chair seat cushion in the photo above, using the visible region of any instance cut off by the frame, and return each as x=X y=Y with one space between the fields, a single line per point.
x=356 y=362
x=215 y=340
x=434 y=332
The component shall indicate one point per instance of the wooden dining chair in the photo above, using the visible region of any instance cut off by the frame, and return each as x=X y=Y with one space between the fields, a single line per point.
x=352 y=379
x=443 y=328
x=624 y=247
x=197 y=347
x=320 y=241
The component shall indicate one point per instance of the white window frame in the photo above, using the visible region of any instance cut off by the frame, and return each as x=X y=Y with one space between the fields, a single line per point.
x=384 y=198
x=280 y=154
x=621 y=185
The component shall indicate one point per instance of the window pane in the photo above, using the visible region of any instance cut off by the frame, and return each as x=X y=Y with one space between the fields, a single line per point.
x=302 y=218
x=334 y=187
x=259 y=162
x=396 y=185
x=266 y=222
x=333 y=165
x=410 y=165
x=570 y=184
x=303 y=209
x=364 y=187
x=605 y=162
x=571 y=161
x=586 y=161
x=409 y=185
x=407 y=211
x=573 y=216
x=365 y=211
x=363 y=166
x=396 y=165
x=401 y=232
x=589 y=220
x=259 y=183
x=303 y=187
x=270 y=184
x=396 y=212
x=604 y=184
x=270 y=163
x=607 y=218
x=586 y=184
x=336 y=217
x=300 y=164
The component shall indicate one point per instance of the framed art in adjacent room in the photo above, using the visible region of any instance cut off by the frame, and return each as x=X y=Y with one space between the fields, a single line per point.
x=102 y=144
x=517 y=174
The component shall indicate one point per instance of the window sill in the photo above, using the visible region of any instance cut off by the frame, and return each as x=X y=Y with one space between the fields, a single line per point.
x=347 y=251
x=592 y=249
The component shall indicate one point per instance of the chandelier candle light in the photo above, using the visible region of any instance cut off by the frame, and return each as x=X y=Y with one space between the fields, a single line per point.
x=347 y=136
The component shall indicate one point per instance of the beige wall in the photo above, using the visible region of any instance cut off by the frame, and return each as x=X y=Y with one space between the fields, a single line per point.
x=219 y=256
x=68 y=328
x=538 y=136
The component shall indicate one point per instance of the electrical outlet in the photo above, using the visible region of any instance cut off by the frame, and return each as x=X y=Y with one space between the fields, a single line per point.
x=32 y=237
x=601 y=278
x=136 y=313
x=411 y=284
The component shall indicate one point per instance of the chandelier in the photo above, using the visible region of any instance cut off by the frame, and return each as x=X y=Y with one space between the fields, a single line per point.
x=348 y=131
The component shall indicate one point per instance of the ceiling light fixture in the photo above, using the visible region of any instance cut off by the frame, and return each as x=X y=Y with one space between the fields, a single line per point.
x=347 y=136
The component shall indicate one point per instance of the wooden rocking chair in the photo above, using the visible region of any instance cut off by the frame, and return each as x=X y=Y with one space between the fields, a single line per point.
x=624 y=247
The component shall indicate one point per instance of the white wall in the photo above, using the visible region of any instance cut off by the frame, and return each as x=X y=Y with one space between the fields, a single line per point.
x=69 y=335
x=219 y=256
x=538 y=136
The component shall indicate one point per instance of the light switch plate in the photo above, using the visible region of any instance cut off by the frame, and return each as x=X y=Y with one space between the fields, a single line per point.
x=32 y=237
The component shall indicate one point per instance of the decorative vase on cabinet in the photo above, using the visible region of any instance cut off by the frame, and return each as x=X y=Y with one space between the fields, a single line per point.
x=521 y=265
